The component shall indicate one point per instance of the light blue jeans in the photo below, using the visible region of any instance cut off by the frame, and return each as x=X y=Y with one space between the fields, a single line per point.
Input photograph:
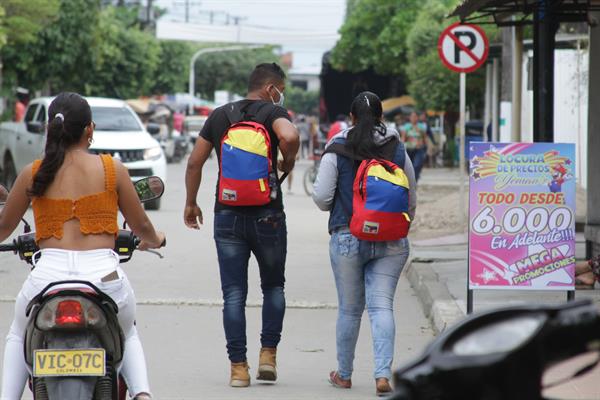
x=366 y=273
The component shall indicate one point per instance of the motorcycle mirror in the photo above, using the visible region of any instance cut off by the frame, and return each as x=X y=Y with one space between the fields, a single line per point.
x=149 y=188
x=3 y=194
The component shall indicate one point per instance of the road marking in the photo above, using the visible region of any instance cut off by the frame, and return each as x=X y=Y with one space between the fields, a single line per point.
x=290 y=304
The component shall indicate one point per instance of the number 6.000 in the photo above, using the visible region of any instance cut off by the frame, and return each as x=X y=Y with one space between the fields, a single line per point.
x=516 y=219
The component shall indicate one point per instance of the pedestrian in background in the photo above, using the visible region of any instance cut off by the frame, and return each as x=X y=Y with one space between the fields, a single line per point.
x=242 y=230
x=414 y=137
x=303 y=127
x=365 y=272
x=21 y=104
x=339 y=125
x=430 y=142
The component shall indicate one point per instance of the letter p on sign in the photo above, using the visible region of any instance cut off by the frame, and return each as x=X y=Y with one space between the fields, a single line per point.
x=463 y=47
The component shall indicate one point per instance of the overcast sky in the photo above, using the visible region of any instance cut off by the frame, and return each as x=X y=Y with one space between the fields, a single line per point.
x=304 y=15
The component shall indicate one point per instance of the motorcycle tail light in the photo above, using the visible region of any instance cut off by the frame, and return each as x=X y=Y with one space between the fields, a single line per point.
x=69 y=312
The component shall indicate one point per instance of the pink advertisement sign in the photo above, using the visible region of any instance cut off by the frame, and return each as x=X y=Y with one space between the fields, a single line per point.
x=522 y=216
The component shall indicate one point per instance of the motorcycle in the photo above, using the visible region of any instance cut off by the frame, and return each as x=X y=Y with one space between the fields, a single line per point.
x=502 y=354
x=73 y=342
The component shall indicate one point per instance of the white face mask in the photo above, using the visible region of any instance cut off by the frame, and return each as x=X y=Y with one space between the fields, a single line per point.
x=281 y=98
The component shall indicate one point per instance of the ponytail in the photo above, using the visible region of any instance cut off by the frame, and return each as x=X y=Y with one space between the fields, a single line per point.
x=367 y=111
x=69 y=114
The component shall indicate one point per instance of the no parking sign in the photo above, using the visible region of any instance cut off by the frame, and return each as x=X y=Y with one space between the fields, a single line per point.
x=463 y=47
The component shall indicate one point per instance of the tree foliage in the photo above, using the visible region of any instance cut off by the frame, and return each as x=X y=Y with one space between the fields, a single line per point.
x=94 y=50
x=374 y=35
x=172 y=72
x=20 y=20
x=229 y=70
x=431 y=84
x=301 y=101
x=126 y=60
x=98 y=49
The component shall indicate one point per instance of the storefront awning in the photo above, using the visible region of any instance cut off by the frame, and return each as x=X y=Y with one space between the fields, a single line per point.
x=520 y=12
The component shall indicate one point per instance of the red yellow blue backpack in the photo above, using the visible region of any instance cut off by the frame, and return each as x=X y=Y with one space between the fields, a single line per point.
x=380 y=195
x=246 y=158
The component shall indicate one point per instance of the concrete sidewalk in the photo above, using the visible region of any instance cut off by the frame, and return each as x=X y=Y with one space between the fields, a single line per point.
x=438 y=274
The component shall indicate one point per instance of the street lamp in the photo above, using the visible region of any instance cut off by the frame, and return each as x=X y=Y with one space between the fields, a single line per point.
x=201 y=52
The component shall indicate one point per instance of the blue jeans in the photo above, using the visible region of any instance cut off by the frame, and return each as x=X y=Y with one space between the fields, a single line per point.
x=366 y=272
x=264 y=235
x=417 y=156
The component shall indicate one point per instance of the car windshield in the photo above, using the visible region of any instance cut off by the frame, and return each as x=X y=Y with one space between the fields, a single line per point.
x=114 y=119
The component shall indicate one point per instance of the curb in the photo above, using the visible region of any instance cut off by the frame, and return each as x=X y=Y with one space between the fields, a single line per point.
x=438 y=304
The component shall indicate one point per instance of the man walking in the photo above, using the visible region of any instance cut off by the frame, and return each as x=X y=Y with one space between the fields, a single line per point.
x=240 y=230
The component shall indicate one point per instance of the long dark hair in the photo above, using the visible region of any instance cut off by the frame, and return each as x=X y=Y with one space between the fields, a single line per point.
x=367 y=112
x=68 y=115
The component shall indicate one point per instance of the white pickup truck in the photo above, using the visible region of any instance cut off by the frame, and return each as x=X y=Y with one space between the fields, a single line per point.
x=119 y=132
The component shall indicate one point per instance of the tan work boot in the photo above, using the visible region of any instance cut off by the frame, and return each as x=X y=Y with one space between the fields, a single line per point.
x=267 y=365
x=239 y=375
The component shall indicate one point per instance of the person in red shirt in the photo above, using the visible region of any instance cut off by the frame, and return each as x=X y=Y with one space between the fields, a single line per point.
x=339 y=125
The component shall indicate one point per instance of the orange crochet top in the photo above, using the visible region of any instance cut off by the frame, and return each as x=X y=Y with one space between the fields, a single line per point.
x=97 y=213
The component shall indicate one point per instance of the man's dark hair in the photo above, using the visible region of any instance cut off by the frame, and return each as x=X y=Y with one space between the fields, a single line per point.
x=263 y=74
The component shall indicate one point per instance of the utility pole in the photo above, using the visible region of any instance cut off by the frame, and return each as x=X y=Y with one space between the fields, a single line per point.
x=149 y=12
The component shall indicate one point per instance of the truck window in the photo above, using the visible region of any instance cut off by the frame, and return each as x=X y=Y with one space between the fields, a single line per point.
x=30 y=112
x=41 y=115
x=114 y=119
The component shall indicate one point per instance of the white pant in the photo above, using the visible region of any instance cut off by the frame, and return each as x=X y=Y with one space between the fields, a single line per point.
x=60 y=265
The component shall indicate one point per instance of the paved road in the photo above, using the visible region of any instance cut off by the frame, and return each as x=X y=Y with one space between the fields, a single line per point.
x=179 y=314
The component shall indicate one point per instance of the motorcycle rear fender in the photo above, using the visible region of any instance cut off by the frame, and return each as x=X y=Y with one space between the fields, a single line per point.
x=110 y=337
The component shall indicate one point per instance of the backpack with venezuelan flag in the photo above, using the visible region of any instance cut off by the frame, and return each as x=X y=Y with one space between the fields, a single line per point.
x=246 y=158
x=379 y=195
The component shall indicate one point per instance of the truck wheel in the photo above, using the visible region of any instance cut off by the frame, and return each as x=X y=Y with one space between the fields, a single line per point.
x=152 y=205
x=9 y=173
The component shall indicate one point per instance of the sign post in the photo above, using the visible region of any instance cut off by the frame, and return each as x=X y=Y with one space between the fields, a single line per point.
x=463 y=48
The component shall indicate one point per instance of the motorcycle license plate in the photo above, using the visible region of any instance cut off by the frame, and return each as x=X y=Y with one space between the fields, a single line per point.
x=81 y=362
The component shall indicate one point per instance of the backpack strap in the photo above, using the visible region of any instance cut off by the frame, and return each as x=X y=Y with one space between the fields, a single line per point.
x=257 y=112
x=233 y=113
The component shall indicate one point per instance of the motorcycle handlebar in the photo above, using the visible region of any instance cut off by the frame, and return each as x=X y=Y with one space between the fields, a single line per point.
x=8 y=247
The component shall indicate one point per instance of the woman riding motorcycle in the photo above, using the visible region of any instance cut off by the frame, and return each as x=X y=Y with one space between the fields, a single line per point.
x=75 y=197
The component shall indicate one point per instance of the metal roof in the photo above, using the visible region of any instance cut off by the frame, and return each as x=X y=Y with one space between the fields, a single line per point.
x=518 y=12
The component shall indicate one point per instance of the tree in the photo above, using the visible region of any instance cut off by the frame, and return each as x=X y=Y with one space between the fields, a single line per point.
x=431 y=84
x=20 y=20
x=172 y=72
x=374 y=35
x=126 y=59
x=62 y=55
x=229 y=70
x=301 y=101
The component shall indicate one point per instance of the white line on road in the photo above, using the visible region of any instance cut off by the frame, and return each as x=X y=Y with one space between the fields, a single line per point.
x=304 y=305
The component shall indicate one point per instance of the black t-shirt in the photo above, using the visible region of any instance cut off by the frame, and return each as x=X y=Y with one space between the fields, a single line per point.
x=215 y=128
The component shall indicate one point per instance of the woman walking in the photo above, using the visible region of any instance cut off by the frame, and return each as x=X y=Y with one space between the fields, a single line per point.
x=365 y=272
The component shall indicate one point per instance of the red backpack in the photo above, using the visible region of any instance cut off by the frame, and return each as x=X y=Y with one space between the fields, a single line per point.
x=379 y=197
x=246 y=172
